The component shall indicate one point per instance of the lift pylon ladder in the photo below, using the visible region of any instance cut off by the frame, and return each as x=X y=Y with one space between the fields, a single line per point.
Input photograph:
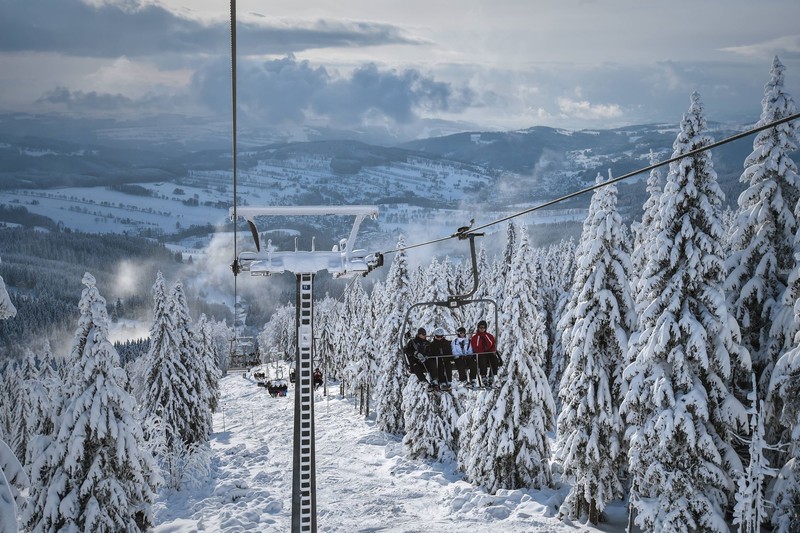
x=343 y=261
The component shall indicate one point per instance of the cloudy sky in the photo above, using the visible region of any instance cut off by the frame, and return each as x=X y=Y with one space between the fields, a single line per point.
x=494 y=64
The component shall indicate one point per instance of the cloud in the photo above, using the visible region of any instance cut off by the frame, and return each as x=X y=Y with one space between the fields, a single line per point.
x=98 y=103
x=787 y=46
x=288 y=90
x=136 y=29
x=586 y=110
x=397 y=95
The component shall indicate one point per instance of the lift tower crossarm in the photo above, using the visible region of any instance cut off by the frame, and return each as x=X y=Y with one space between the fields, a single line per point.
x=338 y=262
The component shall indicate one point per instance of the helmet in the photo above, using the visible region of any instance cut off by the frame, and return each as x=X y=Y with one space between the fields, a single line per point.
x=421 y=331
x=482 y=323
x=438 y=332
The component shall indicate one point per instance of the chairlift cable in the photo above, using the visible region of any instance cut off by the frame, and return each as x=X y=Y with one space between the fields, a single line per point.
x=691 y=153
x=234 y=265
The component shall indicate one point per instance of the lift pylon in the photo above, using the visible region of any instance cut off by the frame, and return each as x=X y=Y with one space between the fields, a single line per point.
x=343 y=261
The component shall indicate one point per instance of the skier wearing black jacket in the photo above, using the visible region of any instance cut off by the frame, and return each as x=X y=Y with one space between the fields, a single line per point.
x=442 y=351
x=417 y=352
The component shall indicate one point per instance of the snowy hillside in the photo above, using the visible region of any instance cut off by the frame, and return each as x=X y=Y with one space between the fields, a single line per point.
x=364 y=480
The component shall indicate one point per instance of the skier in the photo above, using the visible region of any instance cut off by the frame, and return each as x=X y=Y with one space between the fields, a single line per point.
x=485 y=349
x=417 y=351
x=464 y=358
x=442 y=350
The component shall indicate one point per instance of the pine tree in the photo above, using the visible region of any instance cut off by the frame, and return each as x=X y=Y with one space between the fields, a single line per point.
x=645 y=231
x=208 y=360
x=8 y=473
x=7 y=309
x=509 y=447
x=46 y=397
x=564 y=261
x=167 y=389
x=393 y=375
x=197 y=427
x=430 y=423
x=96 y=475
x=784 y=397
x=749 y=511
x=762 y=242
x=678 y=405
x=590 y=430
x=13 y=481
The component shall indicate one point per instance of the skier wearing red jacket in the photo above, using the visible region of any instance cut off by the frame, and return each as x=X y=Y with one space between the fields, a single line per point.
x=485 y=348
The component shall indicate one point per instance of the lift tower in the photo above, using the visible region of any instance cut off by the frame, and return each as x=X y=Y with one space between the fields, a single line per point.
x=342 y=261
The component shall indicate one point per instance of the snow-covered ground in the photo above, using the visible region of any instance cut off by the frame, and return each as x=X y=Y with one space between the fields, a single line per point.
x=364 y=481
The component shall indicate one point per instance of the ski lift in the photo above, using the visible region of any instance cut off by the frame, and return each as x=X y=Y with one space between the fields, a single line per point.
x=455 y=302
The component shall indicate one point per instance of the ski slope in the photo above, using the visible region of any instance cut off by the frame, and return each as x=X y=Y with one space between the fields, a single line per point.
x=364 y=482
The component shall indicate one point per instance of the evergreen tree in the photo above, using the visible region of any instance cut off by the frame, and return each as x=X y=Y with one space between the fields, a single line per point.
x=784 y=397
x=167 y=389
x=645 y=231
x=749 y=511
x=207 y=359
x=13 y=481
x=197 y=428
x=564 y=261
x=678 y=405
x=9 y=465
x=7 y=309
x=393 y=375
x=762 y=240
x=96 y=475
x=590 y=430
x=509 y=447
x=430 y=422
x=46 y=397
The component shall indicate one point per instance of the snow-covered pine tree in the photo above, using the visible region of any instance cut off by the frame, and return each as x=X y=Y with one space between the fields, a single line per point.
x=96 y=476
x=590 y=430
x=198 y=426
x=222 y=335
x=45 y=398
x=26 y=376
x=8 y=506
x=762 y=240
x=167 y=389
x=7 y=309
x=393 y=374
x=678 y=405
x=207 y=360
x=645 y=230
x=13 y=480
x=509 y=447
x=430 y=423
x=434 y=288
x=749 y=511
x=784 y=397
x=564 y=262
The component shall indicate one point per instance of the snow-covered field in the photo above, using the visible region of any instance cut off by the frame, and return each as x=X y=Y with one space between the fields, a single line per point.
x=364 y=481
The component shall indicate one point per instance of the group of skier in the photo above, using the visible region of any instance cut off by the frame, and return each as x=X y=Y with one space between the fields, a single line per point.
x=472 y=357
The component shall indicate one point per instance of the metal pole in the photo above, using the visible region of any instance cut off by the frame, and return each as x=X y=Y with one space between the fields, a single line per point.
x=304 y=498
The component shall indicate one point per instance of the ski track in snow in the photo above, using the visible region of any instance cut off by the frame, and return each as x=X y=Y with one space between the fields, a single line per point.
x=364 y=482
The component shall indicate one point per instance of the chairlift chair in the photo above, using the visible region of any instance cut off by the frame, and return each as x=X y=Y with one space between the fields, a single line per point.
x=455 y=301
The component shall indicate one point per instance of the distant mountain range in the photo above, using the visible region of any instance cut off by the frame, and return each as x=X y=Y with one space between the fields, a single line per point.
x=188 y=162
